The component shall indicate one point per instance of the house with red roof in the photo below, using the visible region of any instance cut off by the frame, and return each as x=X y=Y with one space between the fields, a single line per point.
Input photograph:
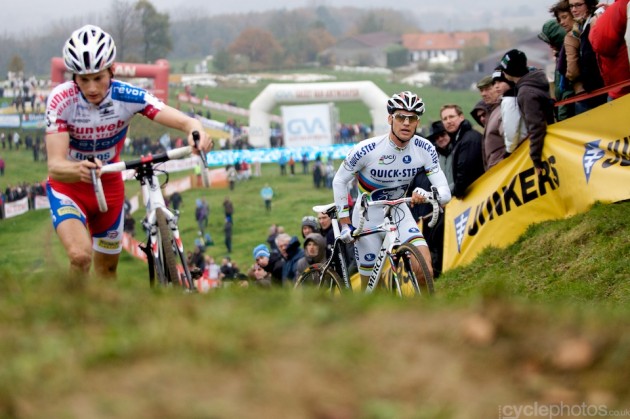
x=442 y=46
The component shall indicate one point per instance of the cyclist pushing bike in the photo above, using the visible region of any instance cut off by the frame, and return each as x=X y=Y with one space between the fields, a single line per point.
x=384 y=167
x=87 y=121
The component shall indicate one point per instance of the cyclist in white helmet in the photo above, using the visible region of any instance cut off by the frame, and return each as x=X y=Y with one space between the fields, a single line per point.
x=384 y=167
x=89 y=117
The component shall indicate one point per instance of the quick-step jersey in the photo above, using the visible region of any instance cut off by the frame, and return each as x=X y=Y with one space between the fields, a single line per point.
x=384 y=171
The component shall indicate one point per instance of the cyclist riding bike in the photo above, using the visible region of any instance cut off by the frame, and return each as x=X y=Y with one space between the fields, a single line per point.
x=87 y=121
x=384 y=167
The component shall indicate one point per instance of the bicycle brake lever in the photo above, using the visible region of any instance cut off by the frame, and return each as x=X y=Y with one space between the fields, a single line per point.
x=434 y=190
x=92 y=171
x=98 y=188
x=196 y=138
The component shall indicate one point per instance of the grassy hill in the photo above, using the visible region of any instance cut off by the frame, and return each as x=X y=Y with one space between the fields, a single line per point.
x=540 y=323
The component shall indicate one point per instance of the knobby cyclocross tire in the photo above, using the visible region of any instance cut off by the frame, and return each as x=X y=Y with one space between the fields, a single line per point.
x=328 y=281
x=407 y=254
x=166 y=266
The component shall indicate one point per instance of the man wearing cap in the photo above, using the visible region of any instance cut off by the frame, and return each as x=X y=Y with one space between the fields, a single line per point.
x=493 y=135
x=533 y=100
x=482 y=109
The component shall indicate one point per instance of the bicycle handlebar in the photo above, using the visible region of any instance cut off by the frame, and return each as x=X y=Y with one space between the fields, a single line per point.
x=174 y=154
x=365 y=204
x=437 y=208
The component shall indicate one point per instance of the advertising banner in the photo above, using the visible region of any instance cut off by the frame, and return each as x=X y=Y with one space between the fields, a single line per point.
x=587 y=159
x=307 y=125
x=41 y=202
x=9 y=121
x=15 y=208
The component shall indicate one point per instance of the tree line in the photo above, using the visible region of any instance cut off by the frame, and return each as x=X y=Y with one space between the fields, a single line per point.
x=238 y=42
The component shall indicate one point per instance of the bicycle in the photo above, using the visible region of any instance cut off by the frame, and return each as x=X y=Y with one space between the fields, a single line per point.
x=401 y=256
x=333 y=273
x=163 y=246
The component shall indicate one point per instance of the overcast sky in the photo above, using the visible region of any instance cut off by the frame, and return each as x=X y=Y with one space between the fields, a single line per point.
x=27 y=16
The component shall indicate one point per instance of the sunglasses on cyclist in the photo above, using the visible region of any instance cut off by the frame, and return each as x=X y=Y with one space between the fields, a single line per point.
x=402 y=118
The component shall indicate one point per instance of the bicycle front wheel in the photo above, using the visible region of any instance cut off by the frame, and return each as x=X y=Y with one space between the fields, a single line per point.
x=165 y=264
x=408 y=282
x=327 y=280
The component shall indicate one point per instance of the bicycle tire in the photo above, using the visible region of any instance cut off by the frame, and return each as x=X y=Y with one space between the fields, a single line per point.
x=327 y=281
x=406 y=253
x=165 y=262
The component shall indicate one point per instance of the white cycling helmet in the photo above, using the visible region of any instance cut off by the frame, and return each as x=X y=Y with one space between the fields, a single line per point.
x=89 y=50
x=405 y=101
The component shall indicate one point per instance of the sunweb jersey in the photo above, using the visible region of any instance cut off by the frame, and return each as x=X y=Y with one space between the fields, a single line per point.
x=97 y=130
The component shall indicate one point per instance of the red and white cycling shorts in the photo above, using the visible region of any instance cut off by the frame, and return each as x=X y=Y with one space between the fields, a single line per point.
x=77 y=200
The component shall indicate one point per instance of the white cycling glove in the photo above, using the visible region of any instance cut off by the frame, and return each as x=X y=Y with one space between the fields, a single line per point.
x=346 y=233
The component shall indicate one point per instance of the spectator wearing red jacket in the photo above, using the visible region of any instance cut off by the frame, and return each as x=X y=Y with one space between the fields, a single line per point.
x=607 y=39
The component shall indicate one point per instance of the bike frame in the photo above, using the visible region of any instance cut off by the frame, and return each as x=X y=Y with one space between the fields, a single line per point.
x=153 y=199
x=390 y=241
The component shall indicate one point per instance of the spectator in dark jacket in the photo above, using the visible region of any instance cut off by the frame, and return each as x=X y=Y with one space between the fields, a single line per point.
x=533 y=100
x=480 y=113
x=467 y=158
x=176 y=200
x=582 y=67
x=271 y=262
x=291 y=252
x=553 y=33
x=314 y=252
x=227 y=229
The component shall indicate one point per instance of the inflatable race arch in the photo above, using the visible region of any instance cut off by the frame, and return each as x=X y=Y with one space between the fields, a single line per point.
x=366 y=91
x=158 y=72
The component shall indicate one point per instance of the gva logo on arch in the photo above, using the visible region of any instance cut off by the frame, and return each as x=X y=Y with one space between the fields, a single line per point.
x=303 y=126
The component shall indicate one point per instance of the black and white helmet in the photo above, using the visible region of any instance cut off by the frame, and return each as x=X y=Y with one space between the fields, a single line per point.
x=89 y=50
x=405 y=101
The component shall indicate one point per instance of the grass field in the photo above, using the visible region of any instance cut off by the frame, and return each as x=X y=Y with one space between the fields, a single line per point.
x=542 y=323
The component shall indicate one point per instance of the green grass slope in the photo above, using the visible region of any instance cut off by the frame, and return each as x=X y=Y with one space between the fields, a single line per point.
x=541 y=324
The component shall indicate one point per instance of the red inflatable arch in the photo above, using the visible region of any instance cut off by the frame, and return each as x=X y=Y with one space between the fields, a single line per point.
x=158 y=72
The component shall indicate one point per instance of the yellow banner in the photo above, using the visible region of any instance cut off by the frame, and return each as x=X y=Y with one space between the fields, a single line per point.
x=587 y=159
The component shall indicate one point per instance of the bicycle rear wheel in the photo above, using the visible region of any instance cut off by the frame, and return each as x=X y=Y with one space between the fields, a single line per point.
x=408 y=282
x=165 y=264
x=327 y=280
